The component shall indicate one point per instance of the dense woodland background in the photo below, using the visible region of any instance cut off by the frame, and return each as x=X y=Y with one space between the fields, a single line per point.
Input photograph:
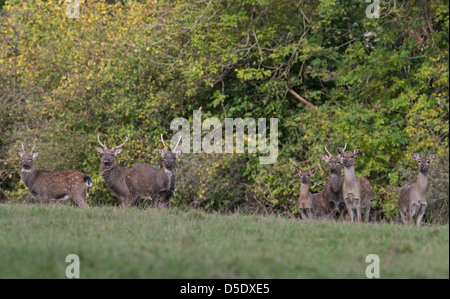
x=131 y=67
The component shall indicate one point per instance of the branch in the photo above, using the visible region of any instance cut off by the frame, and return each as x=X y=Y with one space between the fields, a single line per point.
x=300 y=98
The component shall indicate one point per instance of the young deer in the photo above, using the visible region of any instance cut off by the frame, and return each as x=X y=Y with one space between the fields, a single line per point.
x=309 y=205
x=150 y=182
x=413 y=198
x=357 y=191
x=332 y=191
x=112 y=174
x=53 y=185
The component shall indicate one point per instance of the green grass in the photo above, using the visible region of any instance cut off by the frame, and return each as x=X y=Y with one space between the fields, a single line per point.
x=131 y=243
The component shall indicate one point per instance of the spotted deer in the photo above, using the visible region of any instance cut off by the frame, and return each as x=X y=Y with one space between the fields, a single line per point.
x=46 y=186
x=157 y=184
x=310 y=205
x=332 y=191
x=112 y=174
x=413 y=198
x=356 y=191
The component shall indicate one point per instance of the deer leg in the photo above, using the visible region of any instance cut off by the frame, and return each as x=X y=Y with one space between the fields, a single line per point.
x=310 y=214
x=403 y=217
x=412 y=212
x=358 y=210
x=366 y=214
x=423 y=208
x=349 y=209
x=80 y=200
x=302 y=213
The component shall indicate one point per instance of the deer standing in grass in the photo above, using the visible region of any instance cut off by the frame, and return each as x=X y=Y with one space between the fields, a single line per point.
x=53 y=185
x=112 y=174
x=310 y=204
x=332 y=191
x=158 y=184
x=356 y=191
x=413 y=198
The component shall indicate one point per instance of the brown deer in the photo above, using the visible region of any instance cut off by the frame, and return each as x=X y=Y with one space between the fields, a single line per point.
x=332 y=191
x=112 y=174
x=356 y=191
x=310 y=204
x=158 y=184
x=53 y=185
x=413 y=198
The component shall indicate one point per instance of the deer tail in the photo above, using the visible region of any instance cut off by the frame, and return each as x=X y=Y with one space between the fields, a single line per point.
x=88 y=181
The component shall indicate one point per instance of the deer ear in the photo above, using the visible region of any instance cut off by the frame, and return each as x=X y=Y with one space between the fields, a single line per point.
x=340 y=150
x=99 y=150
x=416 y=156
x=178 y=154
x=324 y=158
x=312 y=171
x=161 y=152
x=20 y=154
x=356 y=151
x=432 y=157
x=297 y=170
x=118 y=151
x=35 y=155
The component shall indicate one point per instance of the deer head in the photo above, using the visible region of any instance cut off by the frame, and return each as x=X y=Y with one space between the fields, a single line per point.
x=305 y=175
x=334 y=162
x=108 y=155
x=169 y=156
x=424 y=162
x=348 y=157
x=27 y=157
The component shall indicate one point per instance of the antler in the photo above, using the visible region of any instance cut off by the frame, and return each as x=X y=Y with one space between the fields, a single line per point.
x=176 y=145
x=162 y=139
x=126 y=140
x=23 y=148
x=98 y=139
x=345 y=146
x=33 y=147
x=328 y=152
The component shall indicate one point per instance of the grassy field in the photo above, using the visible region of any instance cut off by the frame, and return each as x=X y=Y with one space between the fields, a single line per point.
x=131 y=243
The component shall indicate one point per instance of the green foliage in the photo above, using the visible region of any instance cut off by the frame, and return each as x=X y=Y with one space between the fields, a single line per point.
x=130 y=67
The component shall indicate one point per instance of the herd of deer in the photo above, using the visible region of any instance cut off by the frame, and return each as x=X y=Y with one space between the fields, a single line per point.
x=339 y=196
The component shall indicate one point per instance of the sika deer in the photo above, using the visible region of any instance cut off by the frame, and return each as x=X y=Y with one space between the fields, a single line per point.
x=413 y=198
x=332 y=191
x=112 y=174
x=310 y=204
x=150 y=182
x=53 y=185
x=357 y=191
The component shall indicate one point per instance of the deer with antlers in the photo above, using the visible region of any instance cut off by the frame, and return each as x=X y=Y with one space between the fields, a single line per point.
x=112 y=174
x=332 y=191
x=53 y=185
x=357 y=191
x=158 y=184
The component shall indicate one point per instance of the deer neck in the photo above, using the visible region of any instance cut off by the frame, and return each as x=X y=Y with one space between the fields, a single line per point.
x=335 y=181
x=28 y=175
x=108 y=172
x=421 y=183
x=349 y=176
x=169 y=176
x=304 y=190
